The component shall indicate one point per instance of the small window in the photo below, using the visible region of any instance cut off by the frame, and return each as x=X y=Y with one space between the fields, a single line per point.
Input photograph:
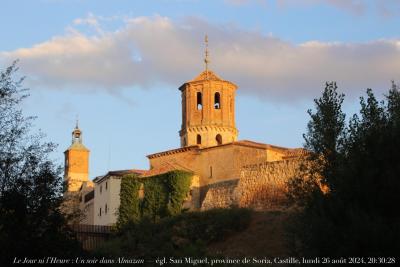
x=198 y=139
x=105 y=209
x=101 y=189
x=141 y=192
x=199 y=101
x=217 y=101
x=106 y=185
x=219 y=139
x=210 y=171
x=100 y=212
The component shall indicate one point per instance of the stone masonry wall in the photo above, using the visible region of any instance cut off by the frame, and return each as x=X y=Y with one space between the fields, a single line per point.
x=261 y=187
x=219 y=195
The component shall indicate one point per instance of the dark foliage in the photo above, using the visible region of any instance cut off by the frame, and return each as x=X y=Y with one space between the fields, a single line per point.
x=186 y=234
x=359 y=163
x=30 y=184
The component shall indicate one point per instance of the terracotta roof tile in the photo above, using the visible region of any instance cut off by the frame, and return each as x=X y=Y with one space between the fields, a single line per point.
x=118 y=173
x=172 y=151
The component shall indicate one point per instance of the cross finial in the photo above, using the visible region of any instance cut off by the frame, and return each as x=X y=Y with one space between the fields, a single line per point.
x=206 y=60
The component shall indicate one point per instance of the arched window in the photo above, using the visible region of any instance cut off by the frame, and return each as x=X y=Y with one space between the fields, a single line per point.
x=198 y=139
x=217 y=101
x=219 y=139
x=199 y=101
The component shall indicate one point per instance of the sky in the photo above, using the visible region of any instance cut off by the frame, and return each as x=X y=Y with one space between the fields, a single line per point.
x=117 y=65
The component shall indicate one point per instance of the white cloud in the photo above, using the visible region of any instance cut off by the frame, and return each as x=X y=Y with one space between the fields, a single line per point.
x=149 y=51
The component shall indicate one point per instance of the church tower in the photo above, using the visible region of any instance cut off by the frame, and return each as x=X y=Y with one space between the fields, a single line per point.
x=76 y=169
x=208 y=109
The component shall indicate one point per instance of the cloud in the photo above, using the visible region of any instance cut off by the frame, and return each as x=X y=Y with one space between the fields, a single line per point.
x=151 y=51
x=357 y=7
x=384 y=8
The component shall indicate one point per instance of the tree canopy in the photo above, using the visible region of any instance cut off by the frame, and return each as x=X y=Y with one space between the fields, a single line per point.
x=358 y=162
x=31 y=223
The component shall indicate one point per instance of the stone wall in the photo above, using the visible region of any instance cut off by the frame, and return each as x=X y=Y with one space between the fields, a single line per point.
x=218 y=195
x=260 y=186
x=263 y=186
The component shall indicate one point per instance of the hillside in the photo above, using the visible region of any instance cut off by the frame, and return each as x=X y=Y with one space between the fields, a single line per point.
x=266 y=236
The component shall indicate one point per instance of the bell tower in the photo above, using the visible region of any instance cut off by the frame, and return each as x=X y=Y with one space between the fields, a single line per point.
x=208 y=109
x=76 y=170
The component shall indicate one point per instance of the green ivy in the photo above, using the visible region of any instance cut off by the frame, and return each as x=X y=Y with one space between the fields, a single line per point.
x=163 y=196
x=178 y=185
x=130 y=204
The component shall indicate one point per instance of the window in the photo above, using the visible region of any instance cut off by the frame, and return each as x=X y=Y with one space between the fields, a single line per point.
x=101 y=189
x=210 y=171
x=217 y=101
x=199 y=101
x=105 y=209
x=141 y=192
x=100 y=212
x=198 y=139
x=219 y=139
x=106 y=185
x=89 y=196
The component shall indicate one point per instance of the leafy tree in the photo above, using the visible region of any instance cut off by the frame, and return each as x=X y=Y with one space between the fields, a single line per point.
x=359 y=164
x=324 y=139
x=30 y=184
x=326 y=132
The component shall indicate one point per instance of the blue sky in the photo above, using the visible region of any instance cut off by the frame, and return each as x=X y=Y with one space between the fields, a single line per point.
x=118 y=65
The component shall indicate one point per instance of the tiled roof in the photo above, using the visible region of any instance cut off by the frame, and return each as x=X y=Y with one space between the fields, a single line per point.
x=165 y=167
x=158 y=170
x=249 y=143
x=118 y=173
x=172 y=151
x=239 y=143
x=124 y=172
x=206 y=75
x=77 y=146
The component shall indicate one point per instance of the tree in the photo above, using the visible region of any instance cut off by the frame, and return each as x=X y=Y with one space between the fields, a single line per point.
x=324 y=141
x=359 y=164
x=30 y=184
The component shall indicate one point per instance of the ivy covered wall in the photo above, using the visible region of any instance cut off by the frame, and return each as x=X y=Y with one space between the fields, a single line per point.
x=153 y=197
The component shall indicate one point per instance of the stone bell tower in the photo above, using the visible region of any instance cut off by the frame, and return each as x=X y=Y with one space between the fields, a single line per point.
x=76 y=162
x=208 y=109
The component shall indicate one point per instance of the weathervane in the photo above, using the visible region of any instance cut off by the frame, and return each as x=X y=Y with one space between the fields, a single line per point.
x=206 y=60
